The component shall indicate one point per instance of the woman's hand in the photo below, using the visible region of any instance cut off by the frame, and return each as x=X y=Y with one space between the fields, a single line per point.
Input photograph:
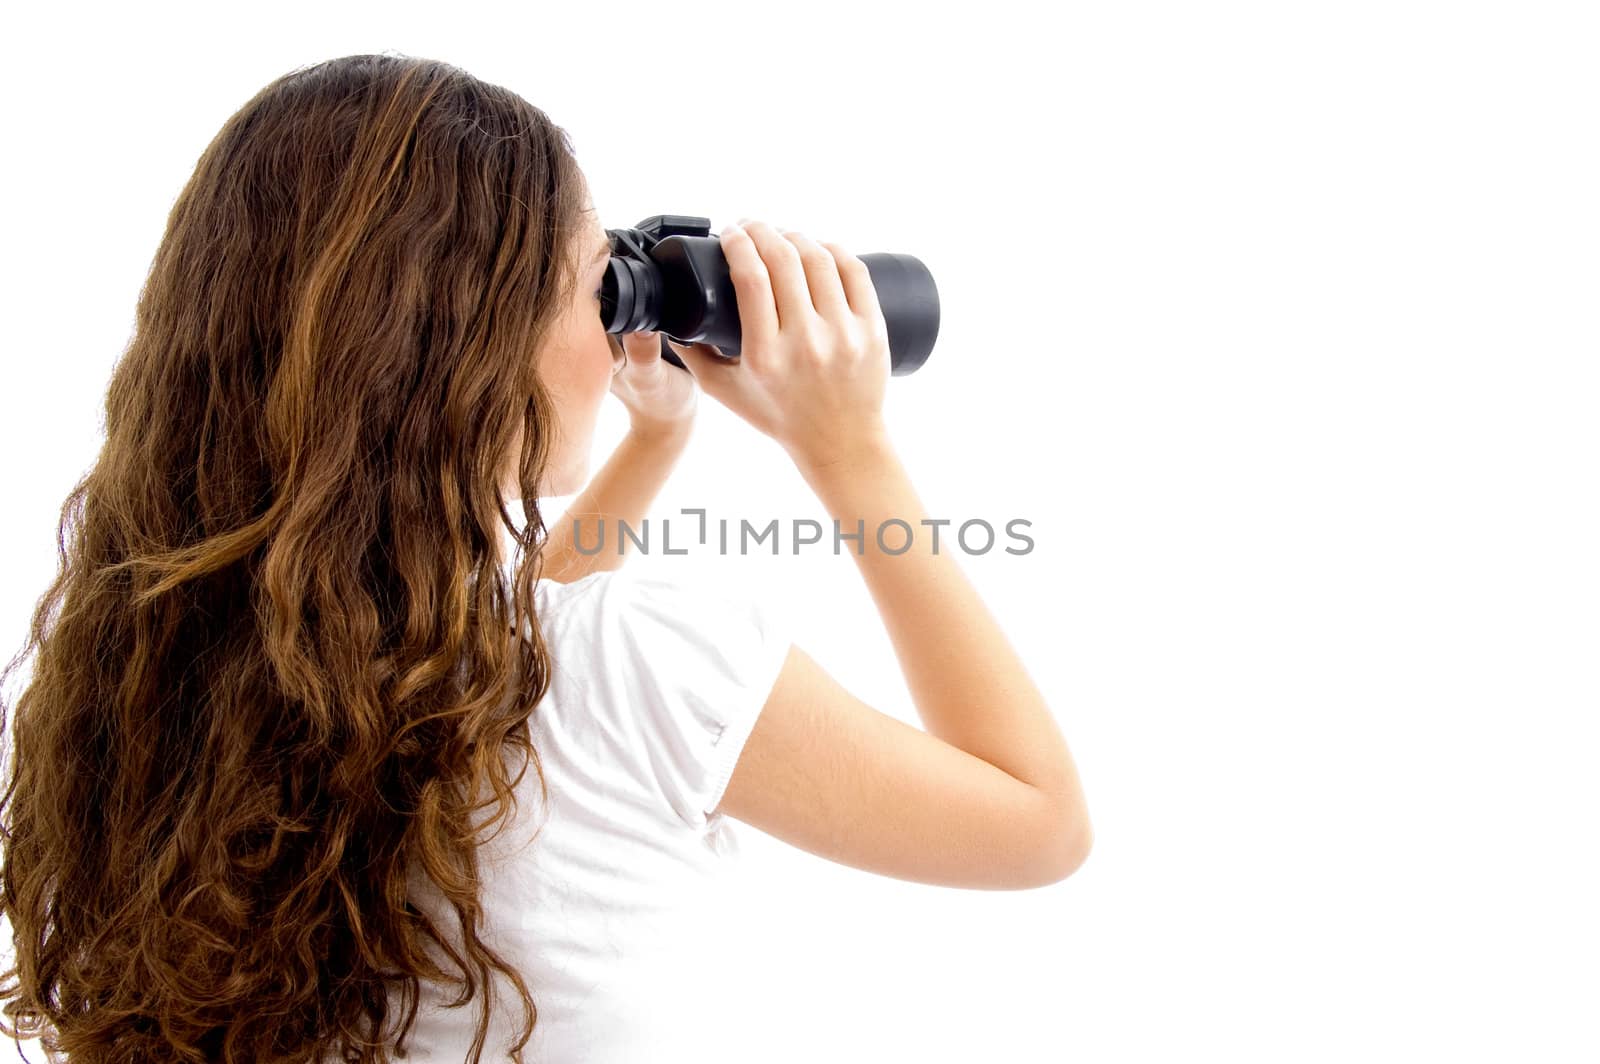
x=814 y=348
x=659 y=396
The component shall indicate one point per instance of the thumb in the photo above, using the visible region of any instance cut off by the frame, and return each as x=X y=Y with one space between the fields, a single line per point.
x=642 y=347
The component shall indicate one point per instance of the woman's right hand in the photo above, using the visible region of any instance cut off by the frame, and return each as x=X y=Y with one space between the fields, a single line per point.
x=813 y=348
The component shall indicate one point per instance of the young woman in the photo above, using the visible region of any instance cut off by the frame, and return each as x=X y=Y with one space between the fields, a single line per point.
x=274 y=682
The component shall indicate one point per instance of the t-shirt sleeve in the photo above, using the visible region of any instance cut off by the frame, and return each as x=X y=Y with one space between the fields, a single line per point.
x=698 y=663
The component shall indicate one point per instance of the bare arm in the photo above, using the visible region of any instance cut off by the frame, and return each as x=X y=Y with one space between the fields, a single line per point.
x=969 y=686
x=621 y=491
x=988 y=796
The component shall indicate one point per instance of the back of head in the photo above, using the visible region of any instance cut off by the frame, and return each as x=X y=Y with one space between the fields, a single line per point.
x=274 y=666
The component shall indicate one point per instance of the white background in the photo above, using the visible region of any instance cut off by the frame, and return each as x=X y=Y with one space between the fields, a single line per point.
x=1277 y=321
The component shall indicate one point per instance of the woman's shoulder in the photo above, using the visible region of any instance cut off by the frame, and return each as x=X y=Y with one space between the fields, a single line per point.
x=679 y=665
x=571 y=588
x=643 y=606
x=626 y=584
x=607 y=597
x=605 y=588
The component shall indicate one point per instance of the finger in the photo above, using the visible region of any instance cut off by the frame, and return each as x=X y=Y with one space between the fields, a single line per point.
x=643 y=347
x=857 y=283
x=791 y=295
x=822 y=276
x=752 y=287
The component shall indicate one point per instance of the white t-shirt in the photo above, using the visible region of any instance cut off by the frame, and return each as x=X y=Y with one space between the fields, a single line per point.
x=655 y=686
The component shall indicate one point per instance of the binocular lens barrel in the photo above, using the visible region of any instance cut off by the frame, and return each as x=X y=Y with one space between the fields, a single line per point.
x=669 y=275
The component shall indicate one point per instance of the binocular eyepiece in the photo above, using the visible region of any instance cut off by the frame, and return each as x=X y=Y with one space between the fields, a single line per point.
x=668 y=274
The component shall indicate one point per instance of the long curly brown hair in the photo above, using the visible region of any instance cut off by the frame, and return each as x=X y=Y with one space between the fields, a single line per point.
x=279 y=663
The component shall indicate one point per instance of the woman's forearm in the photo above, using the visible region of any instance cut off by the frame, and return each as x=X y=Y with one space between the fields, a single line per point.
x=967 y=682
x=621 y=491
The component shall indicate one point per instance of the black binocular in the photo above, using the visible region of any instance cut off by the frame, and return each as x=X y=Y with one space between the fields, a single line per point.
x=668 y=274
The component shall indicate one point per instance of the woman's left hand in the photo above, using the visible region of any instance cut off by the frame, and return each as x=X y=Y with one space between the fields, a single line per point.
x=658 y=395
